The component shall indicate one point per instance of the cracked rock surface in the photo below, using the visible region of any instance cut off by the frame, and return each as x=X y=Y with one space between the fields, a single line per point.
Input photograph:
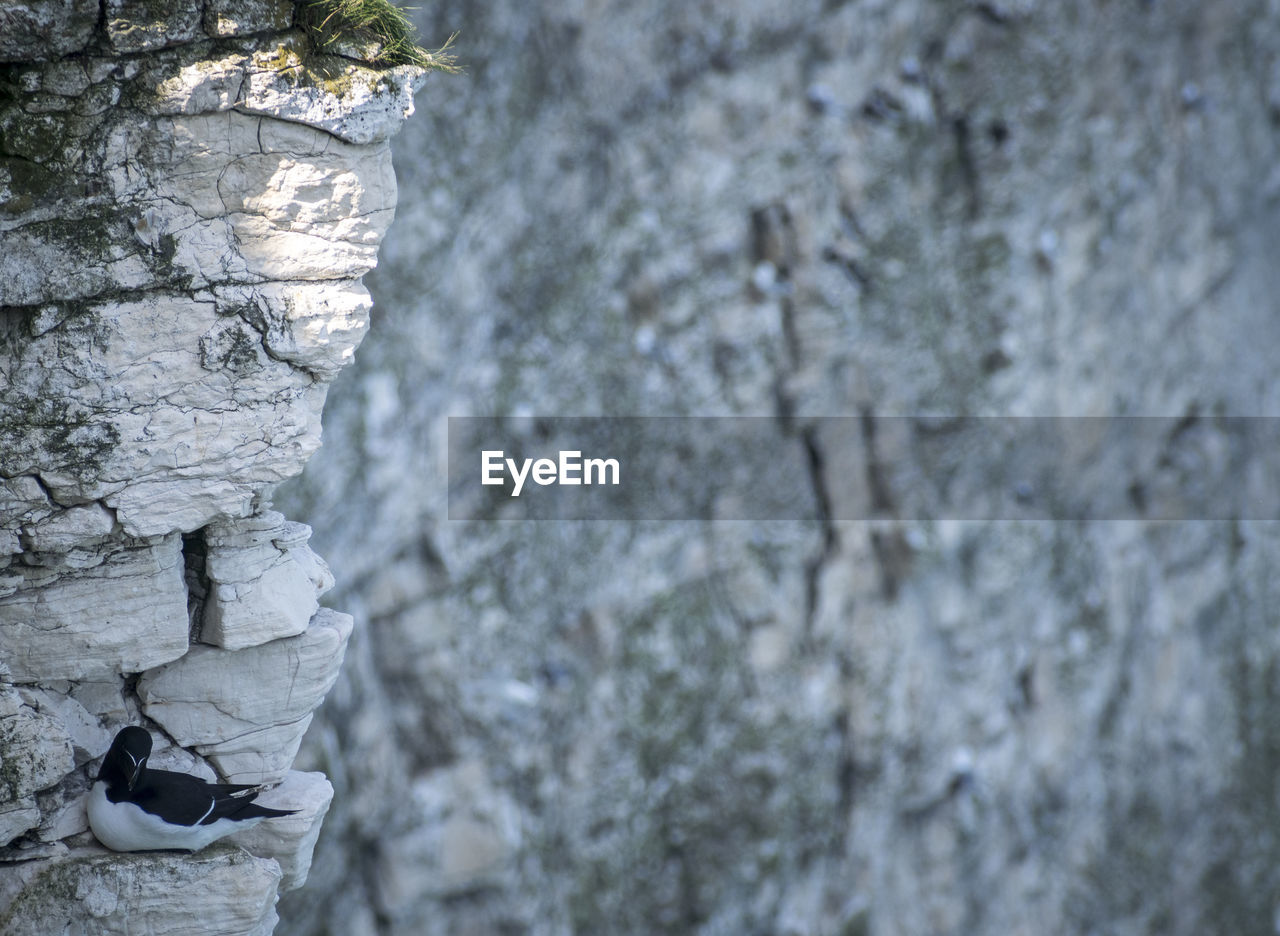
x=188 y=203
x=222 y=890
x=251 y=733
x=187 y=257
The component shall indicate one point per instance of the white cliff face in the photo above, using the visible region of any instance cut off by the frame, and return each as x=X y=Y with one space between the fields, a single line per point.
x=252 y=731
x=182 y=236
x=211 y=260
x=221 y=890
x=95 y=612
x=265 y=582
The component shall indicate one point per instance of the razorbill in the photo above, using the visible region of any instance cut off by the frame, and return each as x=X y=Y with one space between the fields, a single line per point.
x=135 y=808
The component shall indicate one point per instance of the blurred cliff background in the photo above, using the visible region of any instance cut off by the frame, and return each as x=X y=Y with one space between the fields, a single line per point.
x=888 y=727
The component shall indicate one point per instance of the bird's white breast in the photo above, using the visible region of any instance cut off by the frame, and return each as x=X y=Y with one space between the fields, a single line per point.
x=126 y=827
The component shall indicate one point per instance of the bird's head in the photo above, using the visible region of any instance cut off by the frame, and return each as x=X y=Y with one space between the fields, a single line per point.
x=127 y=758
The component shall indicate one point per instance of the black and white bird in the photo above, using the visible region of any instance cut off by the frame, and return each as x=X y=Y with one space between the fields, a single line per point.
x=135 y=808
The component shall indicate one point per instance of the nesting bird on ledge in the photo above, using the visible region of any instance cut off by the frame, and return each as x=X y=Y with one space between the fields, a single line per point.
x=135 y=808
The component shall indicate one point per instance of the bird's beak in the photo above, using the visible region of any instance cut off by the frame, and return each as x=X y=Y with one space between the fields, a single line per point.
x=137 y=772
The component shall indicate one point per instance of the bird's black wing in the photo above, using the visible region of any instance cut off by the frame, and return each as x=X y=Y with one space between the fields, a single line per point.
x=186 y=800
x=229 y=806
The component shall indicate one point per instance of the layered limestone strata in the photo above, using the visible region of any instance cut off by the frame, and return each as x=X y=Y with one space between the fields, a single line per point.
x=187 y=205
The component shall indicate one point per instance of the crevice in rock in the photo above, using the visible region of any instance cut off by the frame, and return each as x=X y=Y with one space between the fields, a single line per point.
x=45 y=490
x=881 y=498
x=253 y=316
x=816 y=566
x=967 y=164
x=194 y=551
x=889 y=543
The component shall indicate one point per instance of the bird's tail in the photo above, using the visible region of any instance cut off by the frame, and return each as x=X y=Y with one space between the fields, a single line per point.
x=253 y=810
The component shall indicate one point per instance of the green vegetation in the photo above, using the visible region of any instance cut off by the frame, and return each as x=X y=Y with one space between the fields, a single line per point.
x=377 y=24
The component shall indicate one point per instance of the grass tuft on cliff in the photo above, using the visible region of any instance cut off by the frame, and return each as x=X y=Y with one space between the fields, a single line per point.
x=380 y=29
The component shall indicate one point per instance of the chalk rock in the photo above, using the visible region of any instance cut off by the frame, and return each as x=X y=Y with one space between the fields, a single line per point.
x=290 y=840
x=91 y=892
x=104 y=699
x=63 y=817
x=194 y=86
x=313 y=326
x=184 y=221
x=17 y=816
x=180 y=399
x=263 y=755
x=22 y=501
x=35 y=753
x=217 y=256
x=64 y=530
x=464 y=833
x=358 y=104
x=246 y=709
x=138 y=25
x=266 y=583
x=125 y=614
x=87 y=735
x=44 y=29
x=241 y=17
